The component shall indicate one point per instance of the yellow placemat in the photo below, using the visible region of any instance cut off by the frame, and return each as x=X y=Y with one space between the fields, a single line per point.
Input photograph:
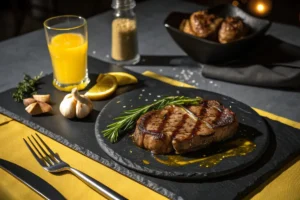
x=13 y=149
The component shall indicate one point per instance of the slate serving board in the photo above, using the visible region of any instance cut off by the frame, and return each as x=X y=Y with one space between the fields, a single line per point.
x=251 y=127
x=80 y=136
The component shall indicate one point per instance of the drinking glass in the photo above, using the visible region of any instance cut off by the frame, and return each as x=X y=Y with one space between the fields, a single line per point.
x=67 y=40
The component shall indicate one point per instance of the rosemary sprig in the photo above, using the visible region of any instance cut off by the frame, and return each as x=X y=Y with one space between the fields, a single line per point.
x=26 y=88
x=126 y=121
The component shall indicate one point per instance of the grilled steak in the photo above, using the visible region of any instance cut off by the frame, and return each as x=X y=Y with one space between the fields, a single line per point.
x=173 y=128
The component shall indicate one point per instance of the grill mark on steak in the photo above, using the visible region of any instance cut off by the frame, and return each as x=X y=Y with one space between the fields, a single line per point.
x=203 y=109
x=196 y=127
x=170 y=128
x=143 y=124
x=165 y=118
x=179 y=125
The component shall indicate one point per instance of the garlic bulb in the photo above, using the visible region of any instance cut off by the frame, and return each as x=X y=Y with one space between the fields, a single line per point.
x=84 y=105
x=75 y=104
x=67 y=106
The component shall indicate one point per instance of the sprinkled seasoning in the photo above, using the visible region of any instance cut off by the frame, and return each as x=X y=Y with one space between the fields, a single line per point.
x=124 y=39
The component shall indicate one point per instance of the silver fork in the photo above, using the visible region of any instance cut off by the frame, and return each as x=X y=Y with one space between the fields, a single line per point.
x=51 y=162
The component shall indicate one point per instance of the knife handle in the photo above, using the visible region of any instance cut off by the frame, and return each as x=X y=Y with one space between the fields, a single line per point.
x=97 y=186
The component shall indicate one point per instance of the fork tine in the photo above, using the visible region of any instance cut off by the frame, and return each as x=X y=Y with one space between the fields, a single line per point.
x=45 y=159
x=48 y=148
x=34 y=154
x=49 y=158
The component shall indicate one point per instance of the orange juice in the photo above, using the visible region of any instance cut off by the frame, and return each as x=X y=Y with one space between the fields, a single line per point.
x=68 y=53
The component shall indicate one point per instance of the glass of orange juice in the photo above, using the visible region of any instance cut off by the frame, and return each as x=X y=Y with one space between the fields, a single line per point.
x=67 y=41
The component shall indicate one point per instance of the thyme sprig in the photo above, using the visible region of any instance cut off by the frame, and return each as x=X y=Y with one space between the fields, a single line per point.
x=26 y=88
x=126 y=121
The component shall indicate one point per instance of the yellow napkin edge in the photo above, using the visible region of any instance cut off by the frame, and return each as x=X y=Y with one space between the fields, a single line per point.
x=259 y=111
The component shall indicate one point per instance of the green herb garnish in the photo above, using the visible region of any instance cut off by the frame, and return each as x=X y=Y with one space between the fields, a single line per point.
x=26 y=88
x=128 y=118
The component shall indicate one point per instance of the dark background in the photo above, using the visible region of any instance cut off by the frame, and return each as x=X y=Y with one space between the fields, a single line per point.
x=22 y=16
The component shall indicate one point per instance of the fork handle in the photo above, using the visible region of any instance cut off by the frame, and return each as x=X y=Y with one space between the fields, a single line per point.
x=97 y=186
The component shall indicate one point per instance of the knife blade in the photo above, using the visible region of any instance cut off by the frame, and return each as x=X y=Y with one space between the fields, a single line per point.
x=34 y=182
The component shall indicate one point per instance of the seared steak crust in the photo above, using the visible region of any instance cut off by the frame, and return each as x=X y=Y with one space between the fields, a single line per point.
x=172 y=128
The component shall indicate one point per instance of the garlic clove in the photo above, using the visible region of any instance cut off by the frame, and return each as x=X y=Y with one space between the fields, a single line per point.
x=83 y=106
x=68 y=106
x=34 y=109
x=42 y=97
x=82 y=110
x=28 y=101
x=46 y=108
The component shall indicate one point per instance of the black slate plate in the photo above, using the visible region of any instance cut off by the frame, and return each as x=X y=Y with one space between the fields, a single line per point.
x=125 y=152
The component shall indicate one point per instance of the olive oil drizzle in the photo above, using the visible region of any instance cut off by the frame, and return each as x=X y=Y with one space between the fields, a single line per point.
x=146 y=162
x=238 y=147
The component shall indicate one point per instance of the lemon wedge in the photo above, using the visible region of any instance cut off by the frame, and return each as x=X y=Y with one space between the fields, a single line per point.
x=123 y=78
x=106 y=85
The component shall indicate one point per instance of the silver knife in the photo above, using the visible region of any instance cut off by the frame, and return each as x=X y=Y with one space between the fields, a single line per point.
x=34 y=182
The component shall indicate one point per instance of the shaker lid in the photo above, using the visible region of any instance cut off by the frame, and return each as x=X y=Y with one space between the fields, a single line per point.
x=123 y=4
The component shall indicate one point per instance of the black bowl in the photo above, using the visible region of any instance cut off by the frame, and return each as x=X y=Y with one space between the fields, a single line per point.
x=207 y=51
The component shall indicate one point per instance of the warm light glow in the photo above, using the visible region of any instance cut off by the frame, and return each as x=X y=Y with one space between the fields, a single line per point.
x=260 y=7
x=235 y=3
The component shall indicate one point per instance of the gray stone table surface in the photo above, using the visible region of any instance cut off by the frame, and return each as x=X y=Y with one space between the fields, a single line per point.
x=29 y=54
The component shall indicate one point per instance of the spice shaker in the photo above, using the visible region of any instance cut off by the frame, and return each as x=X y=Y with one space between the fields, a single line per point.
x=124 y=46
